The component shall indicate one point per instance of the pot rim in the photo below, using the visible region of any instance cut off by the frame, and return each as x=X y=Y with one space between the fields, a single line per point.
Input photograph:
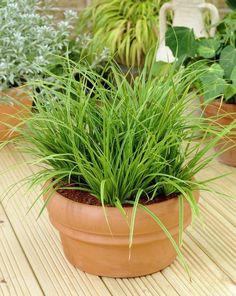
x=20 y=88
x=173 y=200
x=16 y=93
x=222 y=105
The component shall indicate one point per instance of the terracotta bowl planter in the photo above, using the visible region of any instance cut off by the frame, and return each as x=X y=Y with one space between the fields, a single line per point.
x=89 y=245
x=224 y=115
x=11 y=114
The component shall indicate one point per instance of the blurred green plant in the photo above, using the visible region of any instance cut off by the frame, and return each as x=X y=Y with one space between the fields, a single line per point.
x=231 y=4
x=129 y=28
x=216 y=55
x=28 y=40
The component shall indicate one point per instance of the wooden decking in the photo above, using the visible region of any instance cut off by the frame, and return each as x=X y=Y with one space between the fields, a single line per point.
x=32 y=261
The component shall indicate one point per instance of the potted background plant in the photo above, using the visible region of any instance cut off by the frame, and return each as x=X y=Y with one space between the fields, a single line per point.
x=223 y=72
x=27 y=40
x=129 y=29
x=119 y=170
x=217 y=59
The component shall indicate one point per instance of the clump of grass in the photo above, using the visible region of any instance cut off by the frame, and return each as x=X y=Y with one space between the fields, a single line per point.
x=122 y=141
x=126 y=137
x=129 y=28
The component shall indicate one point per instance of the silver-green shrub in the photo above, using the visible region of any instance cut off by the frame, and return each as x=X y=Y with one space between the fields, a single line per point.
x=28 y=39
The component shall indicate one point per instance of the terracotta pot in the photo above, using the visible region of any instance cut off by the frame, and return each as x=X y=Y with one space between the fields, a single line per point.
x=12 y=113
x=224 y=115
x=89 y=245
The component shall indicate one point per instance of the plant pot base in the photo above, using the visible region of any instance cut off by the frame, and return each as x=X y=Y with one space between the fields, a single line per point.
x=115 y=262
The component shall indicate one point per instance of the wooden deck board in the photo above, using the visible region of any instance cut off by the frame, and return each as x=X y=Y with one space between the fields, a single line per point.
x=210 y=251
x=16 y=275
x=41 y=242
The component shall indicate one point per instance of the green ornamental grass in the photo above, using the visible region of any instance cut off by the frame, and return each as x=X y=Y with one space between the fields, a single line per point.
x=121 y=142
x=129 y=28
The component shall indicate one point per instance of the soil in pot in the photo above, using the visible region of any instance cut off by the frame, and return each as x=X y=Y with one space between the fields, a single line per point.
x=13 y=111
x=224 y=114
x=88 y=199
x=90 y=245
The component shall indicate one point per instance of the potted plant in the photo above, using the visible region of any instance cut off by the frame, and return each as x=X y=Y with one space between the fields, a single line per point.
x=220 y=84
x=217 y=59
x=129 y=29
x=119 y=170
x=27 y=40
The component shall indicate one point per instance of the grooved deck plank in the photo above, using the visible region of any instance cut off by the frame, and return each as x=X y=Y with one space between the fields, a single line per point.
x=225 y=206
x=207 y=278
x=210 y=251
x=16 y=276
x=39 y=239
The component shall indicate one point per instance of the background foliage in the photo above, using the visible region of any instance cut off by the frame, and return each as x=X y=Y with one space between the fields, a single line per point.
x=129 y=28
x=216 y=55
x=27 y=40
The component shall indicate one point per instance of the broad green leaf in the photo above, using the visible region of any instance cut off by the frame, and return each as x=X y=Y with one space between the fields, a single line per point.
x=216 y=71
x=211 y=74
x=213 y=83
x=207 y=48
x=215 y=90
x=230 y=92
x=228 y=60
x=181 y=41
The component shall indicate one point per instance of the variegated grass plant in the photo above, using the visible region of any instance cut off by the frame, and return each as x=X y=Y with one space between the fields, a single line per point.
x=129 y=28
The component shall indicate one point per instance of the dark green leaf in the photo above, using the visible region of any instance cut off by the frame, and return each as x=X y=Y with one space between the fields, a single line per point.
x=230 y=92
x=181 y=41
x=207 y=48
x=213 y=83
x=228 y=60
